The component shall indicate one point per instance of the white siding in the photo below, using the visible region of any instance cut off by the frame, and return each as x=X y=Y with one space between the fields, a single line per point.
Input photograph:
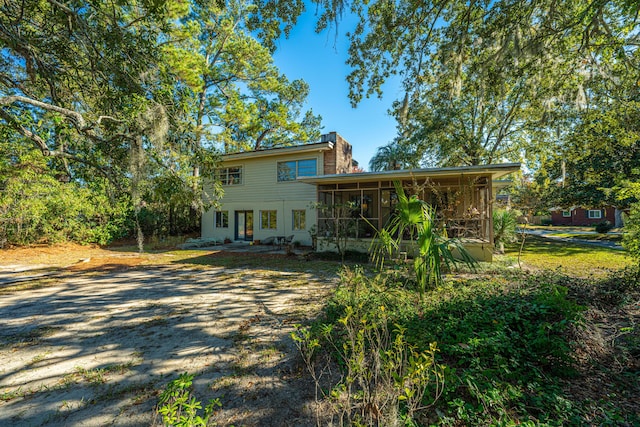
x=260 y=190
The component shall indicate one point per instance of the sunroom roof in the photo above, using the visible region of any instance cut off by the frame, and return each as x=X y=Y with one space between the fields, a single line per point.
x=496 y=171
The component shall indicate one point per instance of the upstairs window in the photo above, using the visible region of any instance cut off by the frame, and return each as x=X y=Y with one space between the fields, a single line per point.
x=289 y=171
x=229 y=176
x=594 y=214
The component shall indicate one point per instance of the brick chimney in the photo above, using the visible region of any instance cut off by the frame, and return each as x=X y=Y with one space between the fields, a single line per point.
x=339 y=160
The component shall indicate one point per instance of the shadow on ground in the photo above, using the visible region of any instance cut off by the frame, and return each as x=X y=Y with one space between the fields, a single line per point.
x=95 y=347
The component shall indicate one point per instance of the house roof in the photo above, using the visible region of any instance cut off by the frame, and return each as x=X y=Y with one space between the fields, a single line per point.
x=496 y=171
x=278 y=151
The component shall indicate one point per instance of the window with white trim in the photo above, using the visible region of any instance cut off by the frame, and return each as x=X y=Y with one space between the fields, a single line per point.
x=221 y=219
x=594 y=214
x=299 y=219
x=229 y=176
x=268 y=220
x=566 y=214
x=290 y=170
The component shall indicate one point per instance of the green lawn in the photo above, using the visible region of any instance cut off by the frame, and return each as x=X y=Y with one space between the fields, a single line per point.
x=570 y=258
x=593 y=236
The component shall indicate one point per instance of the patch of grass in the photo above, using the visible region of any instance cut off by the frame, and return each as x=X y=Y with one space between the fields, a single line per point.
x=38 y=358
x=269 y=353
x=349 y=256
x=230 y=260
x=8 y=395
x=96 y=376
x=29 y=338
x=570 y=258
x=591 y=236
x=27 y=285
x=562 y=228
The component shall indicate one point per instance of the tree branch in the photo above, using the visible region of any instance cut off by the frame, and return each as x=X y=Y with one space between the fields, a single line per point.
x=47 y=152
x=76 y=117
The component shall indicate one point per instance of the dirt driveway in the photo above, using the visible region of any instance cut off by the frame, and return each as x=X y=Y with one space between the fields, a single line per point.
x=93 y=344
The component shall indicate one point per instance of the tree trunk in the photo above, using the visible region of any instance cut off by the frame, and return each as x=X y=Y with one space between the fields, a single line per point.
x=618 y=221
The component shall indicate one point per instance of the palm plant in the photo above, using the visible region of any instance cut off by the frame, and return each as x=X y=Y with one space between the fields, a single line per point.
x=504 y=228
x=416 y=220
x=393 y=156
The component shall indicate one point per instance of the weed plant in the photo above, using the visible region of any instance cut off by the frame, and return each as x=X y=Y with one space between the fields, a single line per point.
x=179 y=408
x=502 y=344
x=385 y=380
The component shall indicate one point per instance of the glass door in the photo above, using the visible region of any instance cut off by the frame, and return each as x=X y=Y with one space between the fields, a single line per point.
x=244 y=225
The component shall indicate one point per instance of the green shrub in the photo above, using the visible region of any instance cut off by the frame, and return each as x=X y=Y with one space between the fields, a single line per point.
x=631 y=236
x=385 y=380
x=603 y=227
x=504 y=341
x=415 y=220
x=347 y=256
x=40 y=209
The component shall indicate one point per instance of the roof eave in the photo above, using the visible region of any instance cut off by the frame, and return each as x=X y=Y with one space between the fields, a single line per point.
x=321 y=146
x=496 y=172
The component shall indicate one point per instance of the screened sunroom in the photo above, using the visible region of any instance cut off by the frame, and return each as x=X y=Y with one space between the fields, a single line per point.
x=360 y=203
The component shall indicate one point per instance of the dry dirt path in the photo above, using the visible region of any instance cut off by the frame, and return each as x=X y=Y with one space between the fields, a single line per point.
x=94 y=347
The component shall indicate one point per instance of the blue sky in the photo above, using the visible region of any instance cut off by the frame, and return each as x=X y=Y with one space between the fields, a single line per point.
x=319 y=59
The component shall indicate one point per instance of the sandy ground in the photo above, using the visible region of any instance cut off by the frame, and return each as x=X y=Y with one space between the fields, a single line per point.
x=94 y=343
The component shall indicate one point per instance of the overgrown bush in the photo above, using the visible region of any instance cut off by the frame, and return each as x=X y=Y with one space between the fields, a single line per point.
x=40 y=209
x=503 y=344
x=603 y=227
x=631 y=236
x=45 y=201
x=630 y=190
x=415 y=221
x=385 y=381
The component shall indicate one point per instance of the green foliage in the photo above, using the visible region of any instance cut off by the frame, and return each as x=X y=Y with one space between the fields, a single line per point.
x=603 y=227
x=124 y=96
x=552 y=82
x=618 y=289
x=179 y=408
x=504 y=227
x=415 y=221
x=393 y=157
x=486 y=80
x=385 y=380
x=529 y=196
x=599 y=155
x=36 y=207
x=505 y=340
x=631 y=236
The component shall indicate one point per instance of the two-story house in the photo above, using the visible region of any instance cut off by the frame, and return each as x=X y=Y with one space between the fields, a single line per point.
x=276 y=193
x=263 y=197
